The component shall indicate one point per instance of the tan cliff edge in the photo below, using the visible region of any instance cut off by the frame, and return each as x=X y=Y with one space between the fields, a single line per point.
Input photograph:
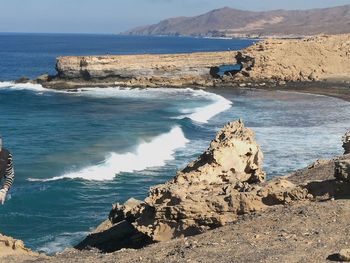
x=312 y=59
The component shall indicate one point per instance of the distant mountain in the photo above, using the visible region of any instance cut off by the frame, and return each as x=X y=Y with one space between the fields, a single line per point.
x=228 y=22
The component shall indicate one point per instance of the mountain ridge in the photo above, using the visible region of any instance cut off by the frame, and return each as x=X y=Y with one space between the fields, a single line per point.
x=230 y=22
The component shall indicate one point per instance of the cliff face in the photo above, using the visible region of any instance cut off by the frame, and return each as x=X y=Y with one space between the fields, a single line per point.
x=310 y=59
x=133 y=70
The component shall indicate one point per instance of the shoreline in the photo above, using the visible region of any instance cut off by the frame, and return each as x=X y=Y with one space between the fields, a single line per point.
x=316 y=180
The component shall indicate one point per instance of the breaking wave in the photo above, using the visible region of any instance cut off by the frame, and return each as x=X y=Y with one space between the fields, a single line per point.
x=204 y=114
x=148 y=154
x=22 y=86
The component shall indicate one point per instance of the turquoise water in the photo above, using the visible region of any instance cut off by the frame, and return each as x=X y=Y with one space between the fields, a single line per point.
x=77 y=153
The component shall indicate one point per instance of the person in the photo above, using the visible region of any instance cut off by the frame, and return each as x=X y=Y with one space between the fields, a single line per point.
x=6 y=171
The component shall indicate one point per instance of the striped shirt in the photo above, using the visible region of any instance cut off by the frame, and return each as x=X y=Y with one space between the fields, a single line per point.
x=9 y=174
x=6 y=168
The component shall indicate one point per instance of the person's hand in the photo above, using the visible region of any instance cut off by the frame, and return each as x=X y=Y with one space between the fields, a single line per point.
x=3 y=193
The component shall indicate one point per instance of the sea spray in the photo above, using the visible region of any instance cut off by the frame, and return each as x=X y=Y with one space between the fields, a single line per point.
x=148 y=154
x=204 y=114
x=22 y=86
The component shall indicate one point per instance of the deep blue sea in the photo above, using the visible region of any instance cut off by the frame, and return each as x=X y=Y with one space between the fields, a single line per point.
x=78 y=153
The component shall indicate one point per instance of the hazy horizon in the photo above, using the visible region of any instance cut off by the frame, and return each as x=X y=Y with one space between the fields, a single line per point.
x=112 y=17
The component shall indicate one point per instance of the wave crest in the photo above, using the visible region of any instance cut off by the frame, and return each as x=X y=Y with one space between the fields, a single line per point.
x=148 y=154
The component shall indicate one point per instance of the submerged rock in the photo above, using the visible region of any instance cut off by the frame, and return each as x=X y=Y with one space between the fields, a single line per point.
x=22 y=79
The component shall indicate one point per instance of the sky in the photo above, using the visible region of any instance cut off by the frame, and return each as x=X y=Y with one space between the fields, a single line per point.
x=115 y=16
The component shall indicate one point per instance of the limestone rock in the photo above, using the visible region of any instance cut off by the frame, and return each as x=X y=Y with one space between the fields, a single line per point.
x=232 y=157
x=226 y=181
x=10 y=246
x=205 y=194
x=310 y=59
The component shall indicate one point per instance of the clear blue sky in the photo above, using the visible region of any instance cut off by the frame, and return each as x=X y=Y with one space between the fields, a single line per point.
x=114 y=16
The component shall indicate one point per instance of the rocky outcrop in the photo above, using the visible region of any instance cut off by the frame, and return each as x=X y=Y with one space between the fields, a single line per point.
x=226 y=181
x=13 y=247
x=309 y=59
x=275 y=60
x=139 y=70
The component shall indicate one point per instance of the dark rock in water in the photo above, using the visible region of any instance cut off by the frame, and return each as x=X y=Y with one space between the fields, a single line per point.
x=43 y=78
x=22 y=79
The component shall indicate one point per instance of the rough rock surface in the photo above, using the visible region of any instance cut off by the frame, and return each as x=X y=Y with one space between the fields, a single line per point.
x=277 y=60
x=142 y=70
x=13 y=247
x=302 y=231
x=226 y=181
x=314 y=58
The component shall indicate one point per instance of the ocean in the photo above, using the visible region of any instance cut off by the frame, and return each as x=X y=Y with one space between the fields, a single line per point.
x=77 y=153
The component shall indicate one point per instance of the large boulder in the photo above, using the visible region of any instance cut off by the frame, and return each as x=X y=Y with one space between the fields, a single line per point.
x=226 y=181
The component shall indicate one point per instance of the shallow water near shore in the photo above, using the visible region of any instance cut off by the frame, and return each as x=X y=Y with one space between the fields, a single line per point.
x=76 y=153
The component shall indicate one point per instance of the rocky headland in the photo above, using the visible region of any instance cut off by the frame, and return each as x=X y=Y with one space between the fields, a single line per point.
x=269 y=63
x=221 y=208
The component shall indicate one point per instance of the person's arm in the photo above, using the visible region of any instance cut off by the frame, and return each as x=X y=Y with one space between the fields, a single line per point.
x=9 y=175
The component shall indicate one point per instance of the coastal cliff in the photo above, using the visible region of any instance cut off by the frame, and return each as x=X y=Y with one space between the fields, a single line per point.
x=137 y=70
x=224 y=191
x=320 y=58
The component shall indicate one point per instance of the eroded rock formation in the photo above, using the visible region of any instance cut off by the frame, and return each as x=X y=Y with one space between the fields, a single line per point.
x=139 y=70
x=311 y=59
x=227 y=180
x=13 y=247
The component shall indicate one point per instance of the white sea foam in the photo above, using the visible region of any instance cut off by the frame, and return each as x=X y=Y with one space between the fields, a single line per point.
x=148 y=154
x=60 y=242
x=200 y=114
x=217 y=103
x=204 y=114
x=23 y=86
